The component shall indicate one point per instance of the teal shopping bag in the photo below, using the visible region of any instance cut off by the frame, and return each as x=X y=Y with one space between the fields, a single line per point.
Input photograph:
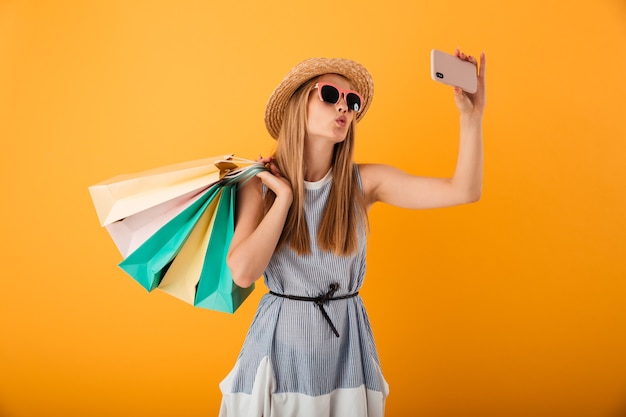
x=216 y=289
x=150 y=261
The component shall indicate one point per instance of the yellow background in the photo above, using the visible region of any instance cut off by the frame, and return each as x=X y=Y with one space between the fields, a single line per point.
x=510 y=307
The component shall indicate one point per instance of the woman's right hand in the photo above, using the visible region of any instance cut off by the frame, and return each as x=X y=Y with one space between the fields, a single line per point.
x=274 y=180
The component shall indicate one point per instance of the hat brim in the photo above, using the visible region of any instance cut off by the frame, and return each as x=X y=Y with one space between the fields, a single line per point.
x=357 y=74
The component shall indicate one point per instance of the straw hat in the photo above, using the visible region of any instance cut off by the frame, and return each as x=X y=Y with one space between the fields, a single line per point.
x=359 y=77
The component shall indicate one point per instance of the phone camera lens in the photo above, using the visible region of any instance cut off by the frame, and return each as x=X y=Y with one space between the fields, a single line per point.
x=439 y=75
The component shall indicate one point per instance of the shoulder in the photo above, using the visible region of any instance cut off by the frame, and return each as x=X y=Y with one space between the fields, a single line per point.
x=251 y=193
x=375 y=172
x=372 y=176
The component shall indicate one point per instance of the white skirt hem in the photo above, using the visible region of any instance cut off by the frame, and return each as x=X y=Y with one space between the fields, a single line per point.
x=264 y=402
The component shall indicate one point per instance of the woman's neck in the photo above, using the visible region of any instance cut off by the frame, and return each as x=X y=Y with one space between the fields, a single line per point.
x=317 y=162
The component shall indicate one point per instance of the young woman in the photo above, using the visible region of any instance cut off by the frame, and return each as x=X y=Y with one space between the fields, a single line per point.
x=303 y=225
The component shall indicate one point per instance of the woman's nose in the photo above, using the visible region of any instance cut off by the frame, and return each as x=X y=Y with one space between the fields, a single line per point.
x=342 y=104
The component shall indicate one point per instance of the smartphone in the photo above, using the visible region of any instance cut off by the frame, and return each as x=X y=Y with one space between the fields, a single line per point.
x=450 y=70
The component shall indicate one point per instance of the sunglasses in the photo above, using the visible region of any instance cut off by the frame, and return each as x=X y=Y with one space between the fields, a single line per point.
x=330 y=93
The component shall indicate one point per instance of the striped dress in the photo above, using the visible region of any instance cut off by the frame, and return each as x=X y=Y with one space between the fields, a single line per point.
x=292 y=362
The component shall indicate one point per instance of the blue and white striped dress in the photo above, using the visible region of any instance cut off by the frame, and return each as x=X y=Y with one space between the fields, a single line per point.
x=291 y=363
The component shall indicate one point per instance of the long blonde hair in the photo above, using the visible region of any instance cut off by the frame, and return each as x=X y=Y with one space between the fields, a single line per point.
x=345 y=210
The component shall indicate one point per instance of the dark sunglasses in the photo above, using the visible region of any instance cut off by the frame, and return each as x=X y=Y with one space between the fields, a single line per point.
x=331 y=93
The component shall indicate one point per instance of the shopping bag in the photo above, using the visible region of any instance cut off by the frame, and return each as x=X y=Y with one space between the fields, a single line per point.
x=216 y=289
x=128 y=194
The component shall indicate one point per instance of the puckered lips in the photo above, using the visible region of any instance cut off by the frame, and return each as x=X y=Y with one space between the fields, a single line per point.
x=341 y=121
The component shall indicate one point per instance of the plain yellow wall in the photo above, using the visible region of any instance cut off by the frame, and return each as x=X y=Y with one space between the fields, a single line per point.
x=512 y=307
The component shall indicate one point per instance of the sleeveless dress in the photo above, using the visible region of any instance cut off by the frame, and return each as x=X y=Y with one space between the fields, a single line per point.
x=292 y=363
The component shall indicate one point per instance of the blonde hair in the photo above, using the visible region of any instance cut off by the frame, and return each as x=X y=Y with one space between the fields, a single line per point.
x=345 y=210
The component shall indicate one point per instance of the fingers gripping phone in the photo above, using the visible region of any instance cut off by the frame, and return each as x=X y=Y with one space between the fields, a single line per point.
x=451 y=70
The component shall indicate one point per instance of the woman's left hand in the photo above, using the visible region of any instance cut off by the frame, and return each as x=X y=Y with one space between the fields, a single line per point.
x=468 y=103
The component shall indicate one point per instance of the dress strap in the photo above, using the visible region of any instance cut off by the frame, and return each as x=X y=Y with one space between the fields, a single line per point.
x=320 y=300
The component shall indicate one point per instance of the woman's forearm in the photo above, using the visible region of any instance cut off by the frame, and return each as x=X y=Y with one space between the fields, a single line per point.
x=468 y=176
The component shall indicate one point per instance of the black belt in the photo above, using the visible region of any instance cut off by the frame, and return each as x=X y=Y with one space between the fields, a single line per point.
x=320 y=301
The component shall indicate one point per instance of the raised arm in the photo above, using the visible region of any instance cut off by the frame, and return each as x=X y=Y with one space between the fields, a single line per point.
x=393 y=186
x=254 y=241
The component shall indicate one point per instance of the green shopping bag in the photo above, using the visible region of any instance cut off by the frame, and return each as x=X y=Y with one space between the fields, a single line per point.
x=216 y=289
